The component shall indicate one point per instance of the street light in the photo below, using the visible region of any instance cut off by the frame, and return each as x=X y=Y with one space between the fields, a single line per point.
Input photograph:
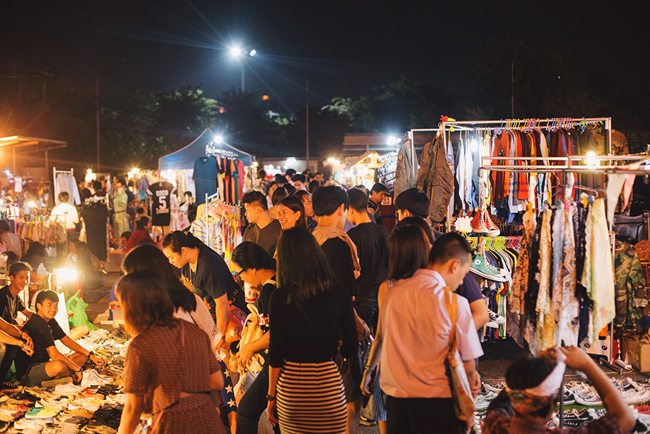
x=237 y=53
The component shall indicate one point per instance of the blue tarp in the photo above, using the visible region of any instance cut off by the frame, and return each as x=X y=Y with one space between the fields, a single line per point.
x=185 y=157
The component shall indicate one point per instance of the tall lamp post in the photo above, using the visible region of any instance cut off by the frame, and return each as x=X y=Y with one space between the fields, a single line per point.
x=237 y=53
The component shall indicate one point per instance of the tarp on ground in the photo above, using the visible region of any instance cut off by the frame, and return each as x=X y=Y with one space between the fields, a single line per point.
x=185 y=157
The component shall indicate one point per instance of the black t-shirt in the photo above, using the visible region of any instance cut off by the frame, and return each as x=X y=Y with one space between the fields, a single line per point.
x=212 y=279
x=339 y=256
x=10 y=305
x=43 y=334
x=263 y=304
x=266 y=238
x=311 y=334
x=371 y=240
x=160 y=208
x=376 y=211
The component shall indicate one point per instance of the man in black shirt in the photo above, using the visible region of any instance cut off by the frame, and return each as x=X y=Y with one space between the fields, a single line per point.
x=47 y=362
x=262 y=229
x=12 y=339
x=371 y=241
x=330 y=205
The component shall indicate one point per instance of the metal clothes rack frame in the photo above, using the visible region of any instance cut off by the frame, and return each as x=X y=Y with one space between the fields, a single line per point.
x=521 y=124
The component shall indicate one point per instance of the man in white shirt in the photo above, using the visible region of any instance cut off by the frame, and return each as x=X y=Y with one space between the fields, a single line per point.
x=413 y=340
x=67 y=214
x=64 y=212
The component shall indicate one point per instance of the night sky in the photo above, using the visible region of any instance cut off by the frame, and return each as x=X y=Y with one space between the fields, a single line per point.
x=342 y=48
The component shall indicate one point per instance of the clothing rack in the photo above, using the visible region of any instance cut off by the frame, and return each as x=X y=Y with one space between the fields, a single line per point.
x=525 y=125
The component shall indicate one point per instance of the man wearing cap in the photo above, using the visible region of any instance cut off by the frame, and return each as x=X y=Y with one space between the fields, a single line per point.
x=533 y=384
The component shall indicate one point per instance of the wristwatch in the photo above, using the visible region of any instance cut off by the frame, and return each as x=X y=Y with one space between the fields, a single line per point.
x=270 y=398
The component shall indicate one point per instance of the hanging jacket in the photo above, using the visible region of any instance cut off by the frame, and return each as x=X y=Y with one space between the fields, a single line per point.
x=435 y=178
x=630 y=285
x=404 y=170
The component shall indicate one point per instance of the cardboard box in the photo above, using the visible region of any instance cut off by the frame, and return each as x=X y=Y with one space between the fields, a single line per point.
x=637 y=354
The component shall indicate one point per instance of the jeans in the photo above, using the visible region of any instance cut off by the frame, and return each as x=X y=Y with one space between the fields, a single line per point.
x=368 y=311
x=253 y=403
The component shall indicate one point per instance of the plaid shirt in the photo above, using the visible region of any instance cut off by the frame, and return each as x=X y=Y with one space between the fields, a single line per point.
x=496 y=422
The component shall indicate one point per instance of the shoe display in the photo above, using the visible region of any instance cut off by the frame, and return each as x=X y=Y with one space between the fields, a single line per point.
x=495 y=387
x=481 y=402
x=494 y=317
x=492 y=229
x=481 y=267
x=477 y=223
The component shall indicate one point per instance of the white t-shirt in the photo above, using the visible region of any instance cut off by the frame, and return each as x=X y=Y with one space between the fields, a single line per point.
x=67 y=214
x=202 y=318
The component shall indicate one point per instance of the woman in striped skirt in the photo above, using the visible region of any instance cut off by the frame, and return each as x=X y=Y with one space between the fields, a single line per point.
x=310 y=313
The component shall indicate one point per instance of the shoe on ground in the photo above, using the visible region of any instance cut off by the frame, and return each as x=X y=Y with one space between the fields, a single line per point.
x=367 y=422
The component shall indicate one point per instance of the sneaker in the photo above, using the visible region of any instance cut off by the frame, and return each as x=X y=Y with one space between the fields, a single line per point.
x=492 y=229
x=67 y=389
x=633 y=396
x=481 y=267
x=569 y=398
x=481 y=402
x=367 y=422
x=589 y=399
x=494 y=317
x=495 y=387
x=478 y=226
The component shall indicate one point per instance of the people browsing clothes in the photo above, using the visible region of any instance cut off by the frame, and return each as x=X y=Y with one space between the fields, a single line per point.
x=11 y=240
x=170 y=369
x=309 y=314
x=413 y=374
x=206 y=273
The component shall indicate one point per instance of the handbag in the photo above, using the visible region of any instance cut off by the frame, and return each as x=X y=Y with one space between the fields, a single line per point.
x=461 y=391
x=252 y=332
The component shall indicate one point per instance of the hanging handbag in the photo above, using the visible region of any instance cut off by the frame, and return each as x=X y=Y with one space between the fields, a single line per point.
x=461 y=391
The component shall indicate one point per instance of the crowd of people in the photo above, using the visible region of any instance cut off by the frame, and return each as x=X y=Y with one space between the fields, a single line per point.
x=320 y=306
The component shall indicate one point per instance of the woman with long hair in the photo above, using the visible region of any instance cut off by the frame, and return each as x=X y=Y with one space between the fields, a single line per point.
x=257 y=269
x=169 y=364
x=141 y=232
x=408 y=251
x=309 y=313
x=291 y=213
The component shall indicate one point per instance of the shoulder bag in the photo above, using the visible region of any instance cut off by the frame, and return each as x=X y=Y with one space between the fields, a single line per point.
x=460 y=389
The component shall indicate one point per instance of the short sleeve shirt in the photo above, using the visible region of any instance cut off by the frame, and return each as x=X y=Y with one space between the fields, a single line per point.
x=43 y=334
x=161 y=203
x=10 y=305
x=213 y=279
x=263 y=303
x=266 y=237
x=469 y=289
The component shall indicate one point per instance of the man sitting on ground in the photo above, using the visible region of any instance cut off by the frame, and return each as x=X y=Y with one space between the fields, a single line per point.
x=533 y=383
x=48 y=363
x=10 y=305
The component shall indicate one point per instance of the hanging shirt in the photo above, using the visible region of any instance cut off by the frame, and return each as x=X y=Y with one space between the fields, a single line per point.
x=205 y=178
x=161 y=205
